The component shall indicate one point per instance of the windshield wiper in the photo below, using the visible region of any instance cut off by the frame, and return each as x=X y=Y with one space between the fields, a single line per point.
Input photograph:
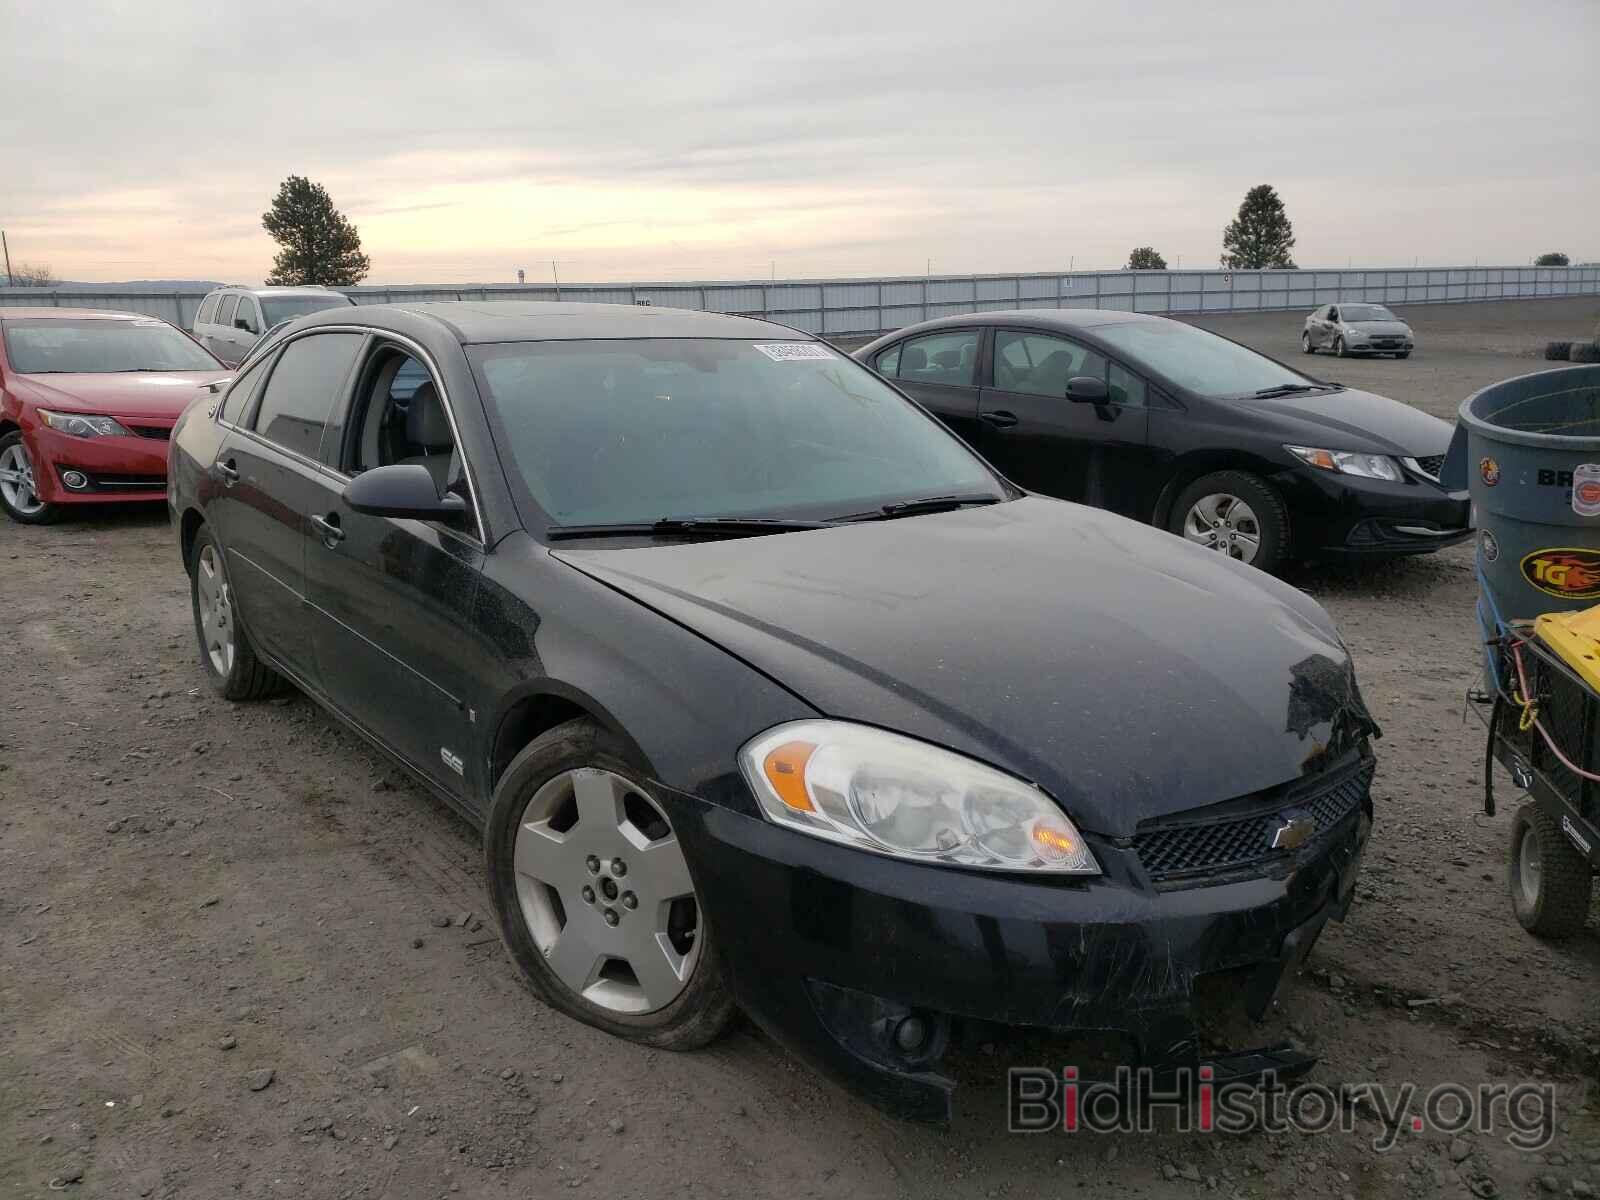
x=927 y=504
x=1287 y=389
x=682 y=527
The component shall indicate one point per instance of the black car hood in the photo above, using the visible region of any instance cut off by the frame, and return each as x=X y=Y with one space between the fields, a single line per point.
x=1349 y=419
x=1124 y=670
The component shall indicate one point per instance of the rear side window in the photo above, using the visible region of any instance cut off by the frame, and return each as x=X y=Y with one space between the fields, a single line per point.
x=1125 y=387
x=948 y=358
x=237 y=402
x=299 y=397
x=208 y=309
x=225 y=309
x=889 y=362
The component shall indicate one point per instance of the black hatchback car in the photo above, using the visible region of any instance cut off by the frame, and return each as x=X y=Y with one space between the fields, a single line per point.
x=1177 y=426
x=766 y=691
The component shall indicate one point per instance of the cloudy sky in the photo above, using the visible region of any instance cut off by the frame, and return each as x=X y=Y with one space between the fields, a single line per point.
x=669 y=140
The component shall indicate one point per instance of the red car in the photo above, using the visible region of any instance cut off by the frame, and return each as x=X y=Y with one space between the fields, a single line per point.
x=88 y=400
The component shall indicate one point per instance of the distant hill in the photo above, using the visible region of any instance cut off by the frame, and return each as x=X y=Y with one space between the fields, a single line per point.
x=136 y=285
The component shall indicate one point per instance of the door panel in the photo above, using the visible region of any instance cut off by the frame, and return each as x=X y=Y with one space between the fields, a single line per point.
x=259 y=519
x=1093 y=453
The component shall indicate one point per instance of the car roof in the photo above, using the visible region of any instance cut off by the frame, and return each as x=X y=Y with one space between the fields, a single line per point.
x=472 y=322
x=308 y=290
x=1064 y=319
x=75 y=314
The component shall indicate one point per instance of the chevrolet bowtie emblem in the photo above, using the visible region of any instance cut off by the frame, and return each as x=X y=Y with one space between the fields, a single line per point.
x=1292 y=831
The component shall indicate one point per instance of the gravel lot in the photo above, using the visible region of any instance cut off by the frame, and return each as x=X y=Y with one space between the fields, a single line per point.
x=240 y=956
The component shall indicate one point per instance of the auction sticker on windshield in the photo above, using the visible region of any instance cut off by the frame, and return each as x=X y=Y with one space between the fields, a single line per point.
x=790 y=351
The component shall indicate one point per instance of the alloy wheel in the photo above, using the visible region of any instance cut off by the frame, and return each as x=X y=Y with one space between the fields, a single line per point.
x=1226 y=524
x=1305 y=343
x=605 y=891
x=17 y=482
x=215 y=601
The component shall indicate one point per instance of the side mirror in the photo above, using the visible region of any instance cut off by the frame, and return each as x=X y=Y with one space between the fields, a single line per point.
x=402 y=490
x=216 y=386
x=1086 y=389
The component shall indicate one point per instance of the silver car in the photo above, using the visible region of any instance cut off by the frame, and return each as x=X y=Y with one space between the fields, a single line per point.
x=231 y=320
x=1357 y=328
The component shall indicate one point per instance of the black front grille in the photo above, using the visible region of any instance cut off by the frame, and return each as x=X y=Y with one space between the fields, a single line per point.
x=164 y=433
x=1431 y=464
x=1187 y=847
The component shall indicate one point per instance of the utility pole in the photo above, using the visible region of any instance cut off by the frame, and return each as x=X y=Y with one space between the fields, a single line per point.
x=927 y=269
x=521 y=277
x=556 y=275
x=6 y=245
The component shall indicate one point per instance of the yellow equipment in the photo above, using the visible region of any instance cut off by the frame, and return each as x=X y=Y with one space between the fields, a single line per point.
x=1575 y=638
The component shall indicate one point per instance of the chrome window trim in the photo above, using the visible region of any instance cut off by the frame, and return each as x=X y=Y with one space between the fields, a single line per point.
x=417 y=351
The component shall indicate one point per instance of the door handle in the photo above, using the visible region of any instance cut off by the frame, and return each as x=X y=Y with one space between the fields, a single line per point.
x=328 y=527
x=228 y=472
x=1000 y=418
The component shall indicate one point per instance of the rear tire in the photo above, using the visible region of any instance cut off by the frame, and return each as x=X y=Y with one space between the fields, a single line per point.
x=1271 y=516
x=540 y=906
x=17 y=484
x=226 y=654
x=1551 y=883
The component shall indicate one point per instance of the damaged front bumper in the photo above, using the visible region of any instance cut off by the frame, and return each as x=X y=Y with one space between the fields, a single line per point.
x=861 y=964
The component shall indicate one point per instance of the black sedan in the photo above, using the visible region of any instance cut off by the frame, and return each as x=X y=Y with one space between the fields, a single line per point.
x=1170 y=424
x=766 y=691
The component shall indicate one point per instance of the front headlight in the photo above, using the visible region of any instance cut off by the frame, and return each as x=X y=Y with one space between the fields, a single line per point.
x=82 y=425
x=1348 y=462
x=1356 y=335
x=894 y=795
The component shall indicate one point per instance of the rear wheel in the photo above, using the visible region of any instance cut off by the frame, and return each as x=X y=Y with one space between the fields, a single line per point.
x=594 y=896
x=19 y=494
x=229 y=660
x=1550 y=881
x=1305 y=343
x=1237 y=514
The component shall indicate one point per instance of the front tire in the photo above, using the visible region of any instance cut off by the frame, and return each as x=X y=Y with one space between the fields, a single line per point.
x=1237 y=514
x=594 y=896
x=1404 y=354
x=1550 y=881
x=1339 y=350
x=226 y=655
x=1305 y=343
x=18 y=494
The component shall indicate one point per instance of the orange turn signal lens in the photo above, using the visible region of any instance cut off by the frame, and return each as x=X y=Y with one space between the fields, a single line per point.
x=785 y=769
x=1054 y=841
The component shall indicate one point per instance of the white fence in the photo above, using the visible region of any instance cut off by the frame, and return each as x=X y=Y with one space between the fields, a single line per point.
x=845 y=307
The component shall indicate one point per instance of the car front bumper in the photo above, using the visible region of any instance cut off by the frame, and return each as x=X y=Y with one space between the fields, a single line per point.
x=832 y=949
x=1379 y=347
x=114 y=468
x=1334 y=515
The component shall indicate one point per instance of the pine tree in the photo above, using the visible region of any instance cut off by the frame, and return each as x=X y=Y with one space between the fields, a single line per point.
x=1261 y=235
x=319 y=245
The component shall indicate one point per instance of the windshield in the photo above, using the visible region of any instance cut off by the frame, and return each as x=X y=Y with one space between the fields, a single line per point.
x=53 y=345
x=1366 y=312
x=651 y=429
x=284 y=308
x=1204 y=363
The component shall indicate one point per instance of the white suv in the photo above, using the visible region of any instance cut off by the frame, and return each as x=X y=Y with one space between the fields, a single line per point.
x=231 y=319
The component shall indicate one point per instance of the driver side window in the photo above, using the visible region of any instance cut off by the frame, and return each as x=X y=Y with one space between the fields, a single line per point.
x=401 y=418
x=1037 y=364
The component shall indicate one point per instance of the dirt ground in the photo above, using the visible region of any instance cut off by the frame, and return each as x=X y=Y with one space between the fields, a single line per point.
x=242 y=957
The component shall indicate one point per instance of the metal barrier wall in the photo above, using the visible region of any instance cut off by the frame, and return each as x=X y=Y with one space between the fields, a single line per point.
x=868 y=306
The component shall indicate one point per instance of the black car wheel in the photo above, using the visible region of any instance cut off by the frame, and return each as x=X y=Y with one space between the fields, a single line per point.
x=1305 y=343
x=1550 y=881
x=1339 y=347
x=1237 y=514
x=229 y=660
x=18 y=494
x=594 y=896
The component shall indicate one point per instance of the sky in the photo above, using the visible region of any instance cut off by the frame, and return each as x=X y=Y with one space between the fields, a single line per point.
x=712 y=140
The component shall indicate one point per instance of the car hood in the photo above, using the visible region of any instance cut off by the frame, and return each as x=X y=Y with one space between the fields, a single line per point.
x=1350 y=419
x=130 y=394
x=1126 y=671
x=1379 y=328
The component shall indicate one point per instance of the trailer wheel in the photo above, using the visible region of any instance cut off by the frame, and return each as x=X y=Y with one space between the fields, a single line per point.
x=1550 y=881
